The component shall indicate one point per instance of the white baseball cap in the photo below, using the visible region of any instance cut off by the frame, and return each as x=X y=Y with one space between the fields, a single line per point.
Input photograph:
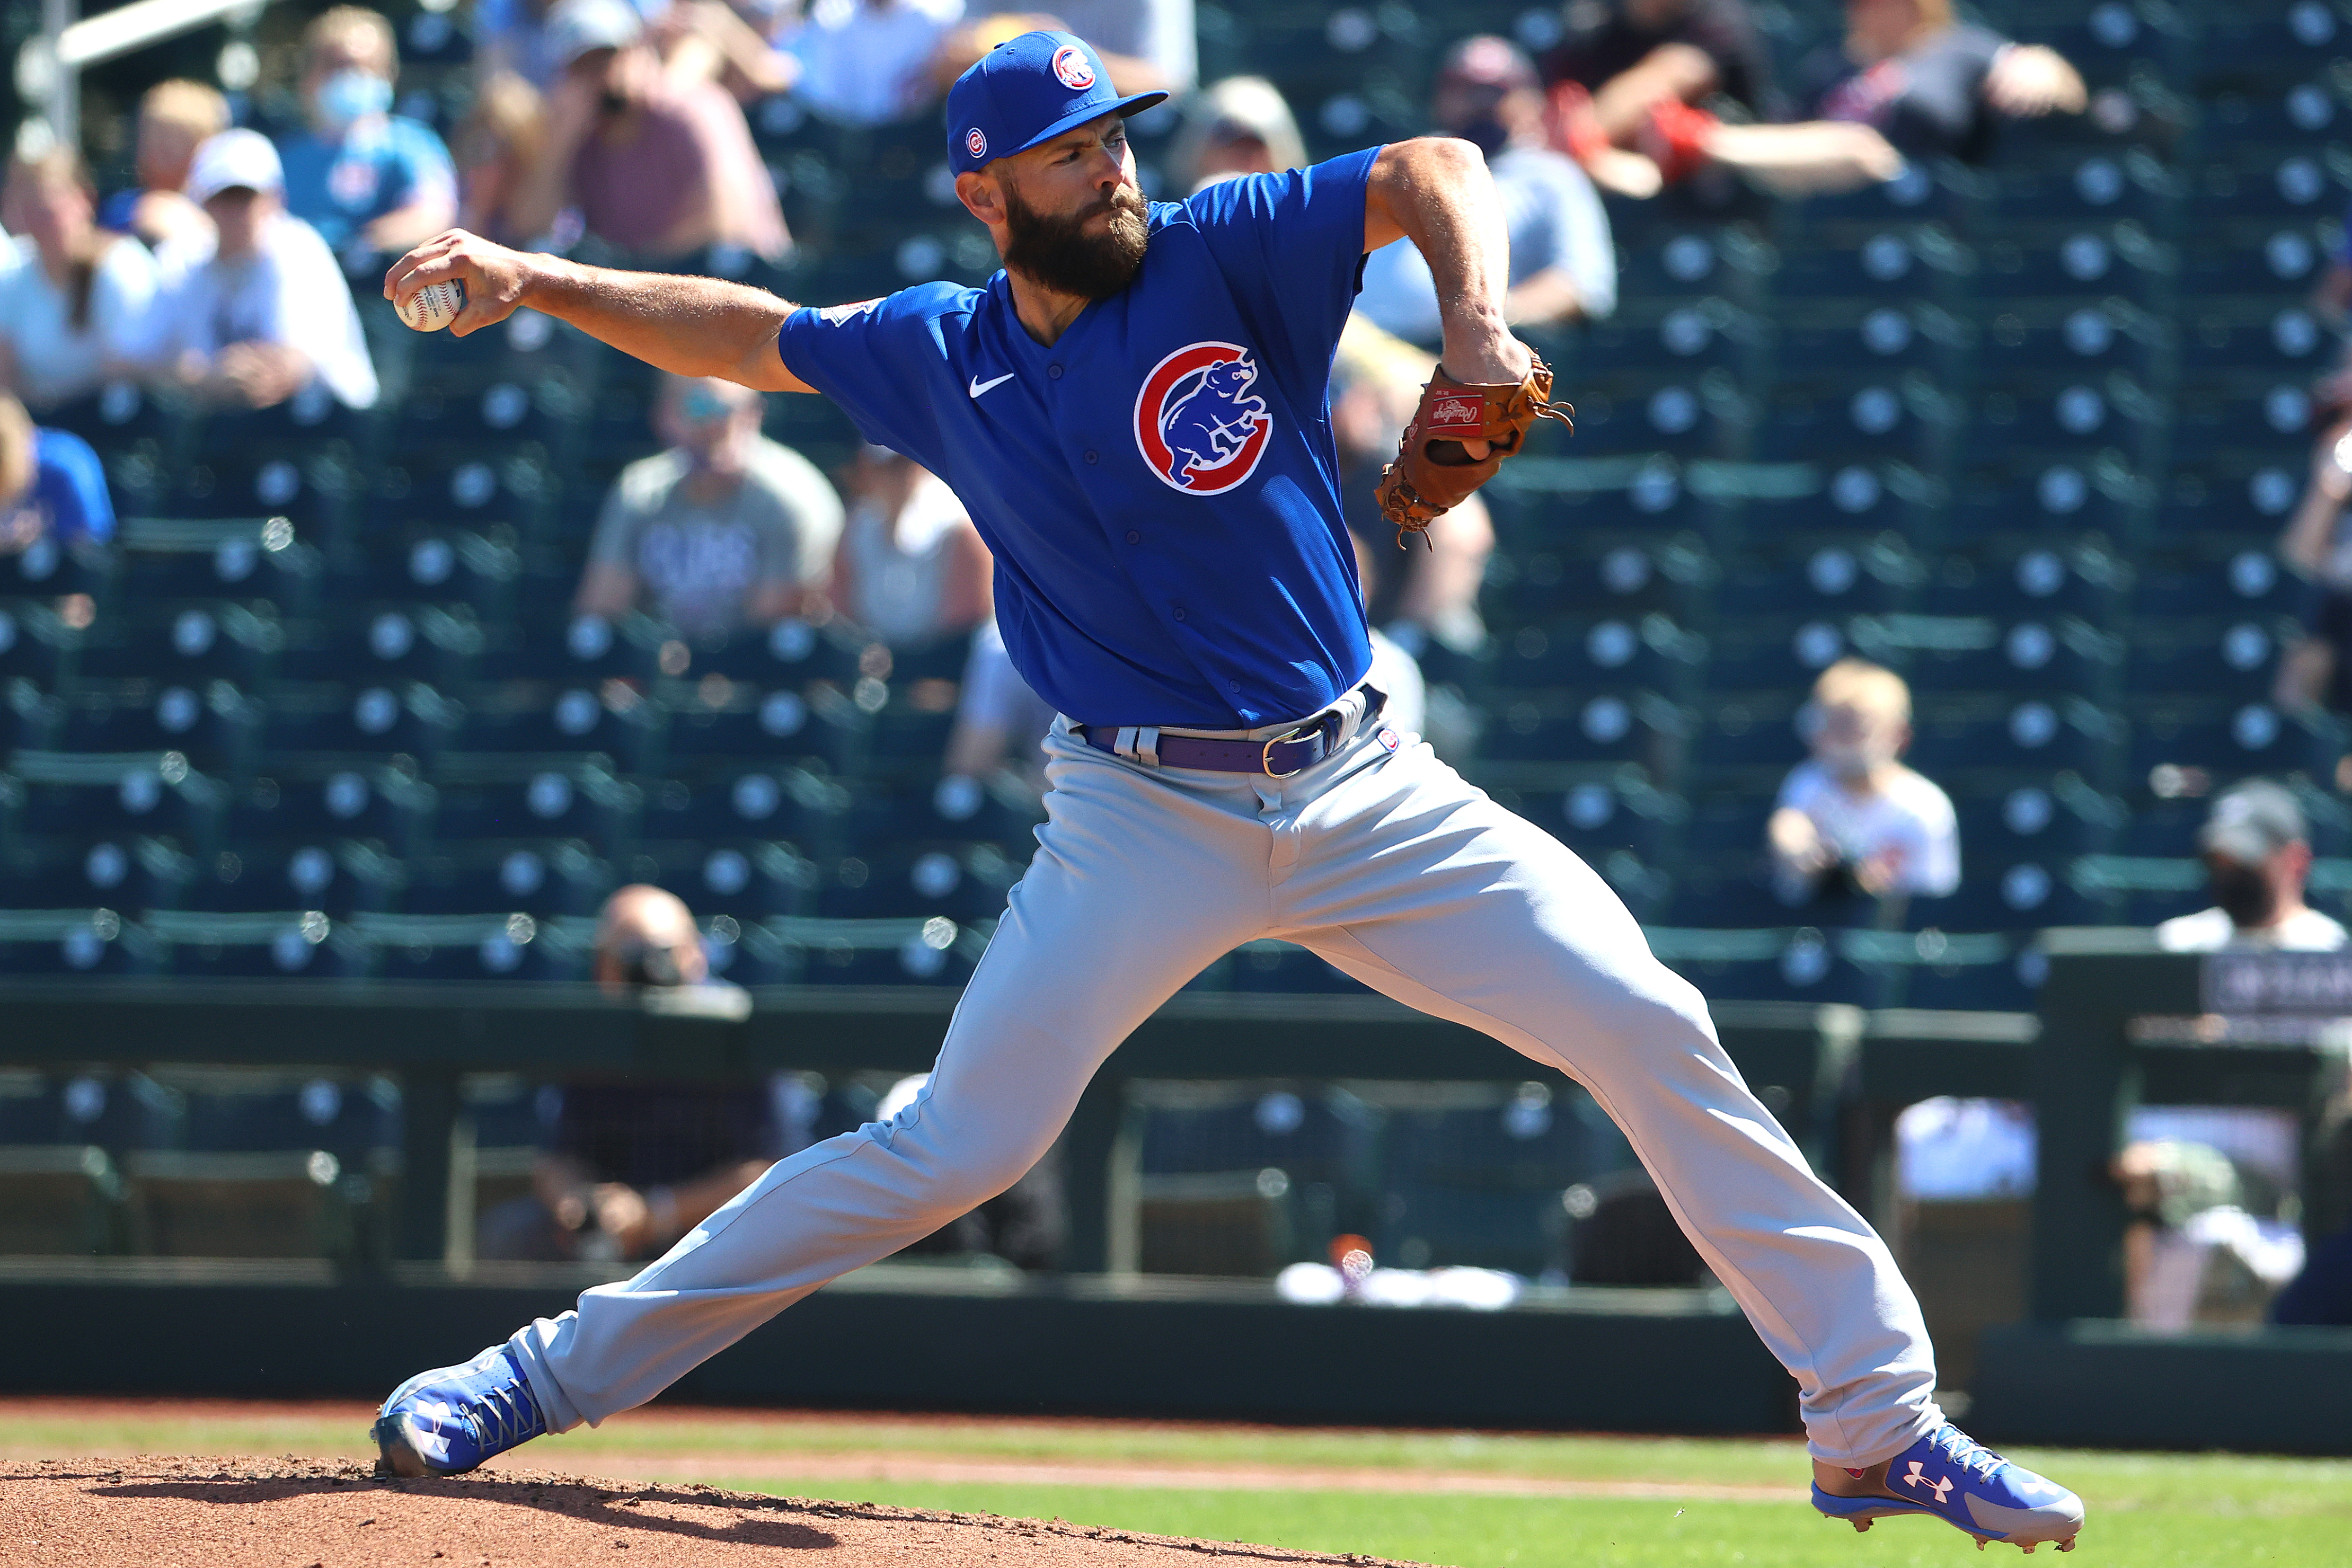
x=576 y=26
x=234 y=160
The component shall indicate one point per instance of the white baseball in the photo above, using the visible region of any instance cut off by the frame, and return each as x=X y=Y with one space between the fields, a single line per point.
x=435 y=305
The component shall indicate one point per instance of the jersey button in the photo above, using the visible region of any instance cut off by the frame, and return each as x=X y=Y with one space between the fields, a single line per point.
x=1054 y=371
x=1179 y=612
x=1091 y=457
x=1134 y=537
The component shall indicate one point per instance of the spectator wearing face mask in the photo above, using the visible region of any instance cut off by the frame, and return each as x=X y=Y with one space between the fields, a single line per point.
x=366 y=179
x=2257 y=855
x=253 y=318
x=175 y=117
x=1851 y=819
x=655 y=166
x=1563 y=267
x=724 y=530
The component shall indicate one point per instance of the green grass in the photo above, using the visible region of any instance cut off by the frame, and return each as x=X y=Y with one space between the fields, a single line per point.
x=2148 y=1511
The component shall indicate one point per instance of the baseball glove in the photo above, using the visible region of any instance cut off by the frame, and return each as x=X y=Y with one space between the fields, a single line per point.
x=1433 y=472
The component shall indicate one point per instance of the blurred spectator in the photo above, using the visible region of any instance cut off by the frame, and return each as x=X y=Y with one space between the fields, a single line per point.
x=2257 y=855
x=725 y=529
x=2192 y=1253
x=175 y=117
x=731 y=42
x=1415 y=594
x=1563 y=267
x=500 y=143
x=2316 y=672
x=1238 y=126
x=513 y=38
x=72 y=297
x=997 y=715
x=367 y=179
x=1148 y=46
x=1621 y=67
x=911 y=568
x=1933 y=87
x=52 y=486
x=870 y=62
x=633 y=1165
x=255 y=315
x=1852 y=820
x=656 y=167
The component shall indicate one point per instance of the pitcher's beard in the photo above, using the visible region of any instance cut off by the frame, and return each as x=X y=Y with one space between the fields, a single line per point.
x=1057 y=252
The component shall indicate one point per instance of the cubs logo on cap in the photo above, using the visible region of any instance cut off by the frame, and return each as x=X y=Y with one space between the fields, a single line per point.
x=1076 y=71
x=1026 y=91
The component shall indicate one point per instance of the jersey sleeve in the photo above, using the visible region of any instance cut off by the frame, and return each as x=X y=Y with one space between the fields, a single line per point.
x=1291 y=247
x=880 y=360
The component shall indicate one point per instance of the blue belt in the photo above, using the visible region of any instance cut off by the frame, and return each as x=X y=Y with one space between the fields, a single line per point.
x=1278 y=757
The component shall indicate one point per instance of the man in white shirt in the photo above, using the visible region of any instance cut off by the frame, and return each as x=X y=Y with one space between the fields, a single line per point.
x=1852 y=818
x=255 y=317
x=2257 y=855
x=868 y=62
x=1563 y=264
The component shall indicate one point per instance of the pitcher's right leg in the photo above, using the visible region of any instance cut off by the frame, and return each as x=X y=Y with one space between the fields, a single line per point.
x=1137 y=885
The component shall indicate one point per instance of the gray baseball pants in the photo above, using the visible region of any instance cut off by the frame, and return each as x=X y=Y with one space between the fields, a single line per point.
x=1399 y=874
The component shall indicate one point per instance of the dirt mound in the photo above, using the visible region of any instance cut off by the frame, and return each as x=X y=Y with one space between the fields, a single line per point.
x=295 y=1513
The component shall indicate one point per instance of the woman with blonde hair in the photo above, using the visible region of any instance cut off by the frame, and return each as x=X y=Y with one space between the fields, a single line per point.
x=70 y=294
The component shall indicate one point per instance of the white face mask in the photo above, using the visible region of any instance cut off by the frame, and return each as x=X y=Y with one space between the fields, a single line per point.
x=1854 y=759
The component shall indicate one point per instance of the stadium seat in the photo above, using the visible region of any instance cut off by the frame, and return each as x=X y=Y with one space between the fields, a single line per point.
x=59 y=1200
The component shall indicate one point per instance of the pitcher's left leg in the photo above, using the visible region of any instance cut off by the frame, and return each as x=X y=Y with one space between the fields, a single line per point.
x=1422 y=887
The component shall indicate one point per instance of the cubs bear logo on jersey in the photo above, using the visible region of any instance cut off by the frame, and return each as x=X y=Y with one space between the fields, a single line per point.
x=1198 y=424
x=1071 y=65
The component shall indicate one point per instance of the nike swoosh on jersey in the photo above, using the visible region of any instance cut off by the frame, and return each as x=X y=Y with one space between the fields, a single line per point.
x=979 y=386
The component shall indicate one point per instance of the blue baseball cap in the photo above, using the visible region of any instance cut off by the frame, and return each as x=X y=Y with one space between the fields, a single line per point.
x=1026 y=91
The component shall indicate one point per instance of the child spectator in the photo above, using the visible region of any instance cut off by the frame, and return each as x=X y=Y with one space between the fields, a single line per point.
x=724 y=530
x=1563 y=267
x=255 y=316
x=656 y=167
x=175 y=117
x=72 y=297
x=52 y=486
x=366 y=179
x=1854 y=819
x=911 y=568
x=869 y=62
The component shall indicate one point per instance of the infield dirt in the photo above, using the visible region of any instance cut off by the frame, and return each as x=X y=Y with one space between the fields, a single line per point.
x=162 y=1512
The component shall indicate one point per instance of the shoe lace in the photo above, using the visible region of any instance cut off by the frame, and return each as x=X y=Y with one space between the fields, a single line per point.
x=501 y=1417
x=1967 y=1453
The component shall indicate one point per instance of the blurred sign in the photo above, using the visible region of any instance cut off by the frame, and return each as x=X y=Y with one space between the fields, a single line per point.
x=2278 y=983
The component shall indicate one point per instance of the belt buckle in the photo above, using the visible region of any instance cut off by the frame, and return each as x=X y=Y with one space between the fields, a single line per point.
x=1298 y=732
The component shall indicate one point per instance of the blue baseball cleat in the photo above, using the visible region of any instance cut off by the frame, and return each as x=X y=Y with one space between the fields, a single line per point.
x=1948 y=1476
x=446 y=1421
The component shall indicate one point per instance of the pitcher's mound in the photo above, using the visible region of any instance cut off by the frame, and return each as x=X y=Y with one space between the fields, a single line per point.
x=296 y=1513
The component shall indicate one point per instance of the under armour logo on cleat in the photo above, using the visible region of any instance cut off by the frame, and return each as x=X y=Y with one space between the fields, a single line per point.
x=424 y=1425
x=1942 y=1489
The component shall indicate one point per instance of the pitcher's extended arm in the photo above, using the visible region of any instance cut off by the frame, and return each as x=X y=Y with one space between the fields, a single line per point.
x=690 y=326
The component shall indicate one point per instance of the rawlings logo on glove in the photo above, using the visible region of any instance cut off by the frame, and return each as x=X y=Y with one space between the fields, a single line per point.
x=1434 y=471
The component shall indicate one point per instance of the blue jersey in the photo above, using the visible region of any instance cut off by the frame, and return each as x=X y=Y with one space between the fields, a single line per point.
x=379 y=166
x=1159 y=485
x=68 y=489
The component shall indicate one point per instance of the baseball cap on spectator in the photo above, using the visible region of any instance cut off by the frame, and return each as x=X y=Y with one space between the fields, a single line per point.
x=577 y=26
x=2251 y=821
x=1026 y=91
x=1486 y=60
x=233 y=159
